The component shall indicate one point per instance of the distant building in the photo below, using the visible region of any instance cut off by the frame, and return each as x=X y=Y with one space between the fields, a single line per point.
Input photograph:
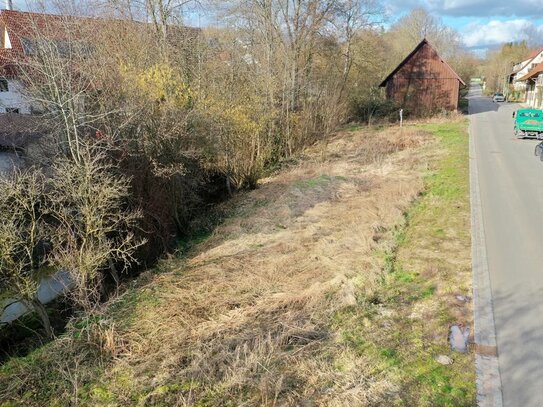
x=423 y=82
x=534 y=85
x=521 y=69
x=23 y=34
x=19 y=129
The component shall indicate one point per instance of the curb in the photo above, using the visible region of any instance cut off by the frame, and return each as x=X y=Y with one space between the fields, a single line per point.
x=489 y=386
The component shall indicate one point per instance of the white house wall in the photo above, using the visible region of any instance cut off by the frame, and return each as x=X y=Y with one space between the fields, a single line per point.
x=518 y=85
x=7 y=41
x=13 y=98
x=520 y=64
x=534 y=95
x=538 y=58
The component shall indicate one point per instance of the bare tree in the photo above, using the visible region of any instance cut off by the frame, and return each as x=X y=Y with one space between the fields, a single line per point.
x=24 y=240
x=93 y=230
x=60 y=77
x=499 y=63
x=409 y=30
x=351 y=19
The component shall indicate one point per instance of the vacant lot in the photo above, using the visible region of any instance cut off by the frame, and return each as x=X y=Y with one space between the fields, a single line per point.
x=332 y=284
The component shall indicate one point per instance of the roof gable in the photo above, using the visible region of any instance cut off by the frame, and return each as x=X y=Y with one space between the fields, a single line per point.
x=533 y=72
x=534 y=53
x=527 y=64
x=423 y=43
x=25 y=25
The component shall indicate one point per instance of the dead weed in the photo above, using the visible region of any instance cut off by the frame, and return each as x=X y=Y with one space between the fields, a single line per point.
x=249 y=319
x=245 y=318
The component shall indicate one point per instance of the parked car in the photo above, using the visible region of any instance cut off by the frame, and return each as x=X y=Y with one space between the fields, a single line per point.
x=528 y=123
x=498 y=97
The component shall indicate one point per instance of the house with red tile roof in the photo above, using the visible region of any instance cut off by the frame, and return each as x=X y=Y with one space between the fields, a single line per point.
x=18 y=31
x=534 y=86
x=523 y=68
x=23 y=34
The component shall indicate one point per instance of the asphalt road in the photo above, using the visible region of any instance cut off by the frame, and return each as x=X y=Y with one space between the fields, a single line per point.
x=511 y=189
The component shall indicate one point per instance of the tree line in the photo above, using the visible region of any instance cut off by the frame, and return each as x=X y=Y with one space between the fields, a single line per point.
x=498 y=67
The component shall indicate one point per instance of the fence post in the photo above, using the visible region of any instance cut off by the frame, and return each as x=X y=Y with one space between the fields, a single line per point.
x=401 y=117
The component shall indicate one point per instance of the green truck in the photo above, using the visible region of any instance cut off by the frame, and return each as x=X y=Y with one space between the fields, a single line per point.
x=529 y=123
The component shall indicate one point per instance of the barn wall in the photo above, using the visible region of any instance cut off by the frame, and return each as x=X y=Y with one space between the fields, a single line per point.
x=424 y=83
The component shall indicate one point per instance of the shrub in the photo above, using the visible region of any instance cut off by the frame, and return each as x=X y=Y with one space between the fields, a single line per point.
x=370 y=108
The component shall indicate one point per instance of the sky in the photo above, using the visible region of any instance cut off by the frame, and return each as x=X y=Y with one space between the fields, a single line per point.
x=483 y=24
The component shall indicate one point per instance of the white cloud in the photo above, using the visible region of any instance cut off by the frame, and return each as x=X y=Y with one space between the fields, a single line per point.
x=498 y=32
x=472 y=8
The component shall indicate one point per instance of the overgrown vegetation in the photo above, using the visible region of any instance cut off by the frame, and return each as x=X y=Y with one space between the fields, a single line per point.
x=147 y=128
x=325 y=285
x=426 y=288
x=74 y=220
x=185 y=117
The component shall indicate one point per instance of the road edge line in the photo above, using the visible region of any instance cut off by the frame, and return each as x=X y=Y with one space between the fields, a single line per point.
x=489 y=386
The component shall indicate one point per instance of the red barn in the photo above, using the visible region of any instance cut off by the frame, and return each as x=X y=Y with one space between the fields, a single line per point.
x=423 y=82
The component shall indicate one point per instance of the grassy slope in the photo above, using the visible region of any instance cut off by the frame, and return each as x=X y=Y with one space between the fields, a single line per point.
x=325 y=286
x=428 y=268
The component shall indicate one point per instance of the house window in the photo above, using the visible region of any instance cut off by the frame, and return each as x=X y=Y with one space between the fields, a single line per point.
x=4 y=87
x=12 y=110
x=28 y=46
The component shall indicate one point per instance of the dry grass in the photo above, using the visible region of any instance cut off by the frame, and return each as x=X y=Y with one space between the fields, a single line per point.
x=247 y=317
x=407 y=327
